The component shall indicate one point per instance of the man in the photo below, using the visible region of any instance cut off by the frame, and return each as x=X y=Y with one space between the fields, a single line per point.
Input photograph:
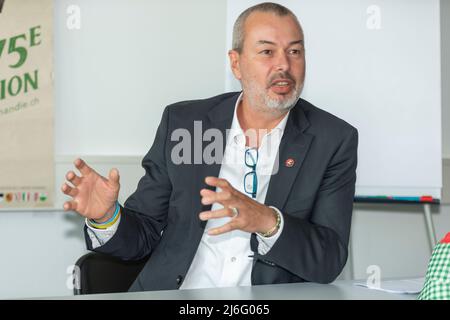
x=277 y=206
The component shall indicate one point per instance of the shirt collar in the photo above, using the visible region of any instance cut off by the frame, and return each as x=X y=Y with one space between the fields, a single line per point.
x=237 y=134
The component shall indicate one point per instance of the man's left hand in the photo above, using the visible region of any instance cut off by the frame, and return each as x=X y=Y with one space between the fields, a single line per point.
x=253 y=216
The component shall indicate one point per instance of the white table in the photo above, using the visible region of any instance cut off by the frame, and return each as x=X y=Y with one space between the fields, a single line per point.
x=339 y=290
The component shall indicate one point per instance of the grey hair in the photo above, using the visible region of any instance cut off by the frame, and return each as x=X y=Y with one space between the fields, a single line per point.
x=238 y=29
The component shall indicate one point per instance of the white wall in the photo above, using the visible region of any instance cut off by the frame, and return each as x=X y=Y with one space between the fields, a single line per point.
x=127 y=62
x=37 y=247
x=394 y=238
x=445 y=49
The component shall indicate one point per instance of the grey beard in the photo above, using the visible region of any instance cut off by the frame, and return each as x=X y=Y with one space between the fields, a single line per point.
x=256 y=97
x=284 y=105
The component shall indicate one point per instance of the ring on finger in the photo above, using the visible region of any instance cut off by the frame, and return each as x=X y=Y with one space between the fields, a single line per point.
x=235 y=212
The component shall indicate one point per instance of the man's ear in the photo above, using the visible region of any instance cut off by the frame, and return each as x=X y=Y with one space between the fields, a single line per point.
x=234 y=63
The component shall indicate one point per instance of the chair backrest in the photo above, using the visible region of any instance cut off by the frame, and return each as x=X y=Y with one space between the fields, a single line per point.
x=99 y=273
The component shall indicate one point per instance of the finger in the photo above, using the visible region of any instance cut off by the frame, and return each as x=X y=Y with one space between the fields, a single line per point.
x=220 y=197
x=215 y=214
x=223 y=229
x=206 y=192
x=66 y=189
x=114 y=175
x=82 y=166
x=73 y=178
x=217 y=182
x=70 y=205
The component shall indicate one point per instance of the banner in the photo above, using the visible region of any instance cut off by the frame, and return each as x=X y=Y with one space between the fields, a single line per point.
x=26 y=104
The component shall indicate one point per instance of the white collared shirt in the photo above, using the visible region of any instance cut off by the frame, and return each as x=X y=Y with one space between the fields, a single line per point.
x=226 y=260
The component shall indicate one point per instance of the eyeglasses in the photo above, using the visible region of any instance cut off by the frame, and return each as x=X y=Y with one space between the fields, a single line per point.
x=250 y=178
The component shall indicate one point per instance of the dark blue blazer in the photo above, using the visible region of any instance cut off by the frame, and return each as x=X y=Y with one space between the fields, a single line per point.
x=160 y=219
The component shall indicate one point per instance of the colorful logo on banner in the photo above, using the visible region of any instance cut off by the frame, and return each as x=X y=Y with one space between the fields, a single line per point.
x=30 y=197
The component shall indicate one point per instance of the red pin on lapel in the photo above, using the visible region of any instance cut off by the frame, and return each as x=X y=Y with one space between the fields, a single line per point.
x=289 y=163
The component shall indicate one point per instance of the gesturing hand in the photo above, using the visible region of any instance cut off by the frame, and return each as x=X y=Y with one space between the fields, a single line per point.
x=253 y=216
x=93 y=196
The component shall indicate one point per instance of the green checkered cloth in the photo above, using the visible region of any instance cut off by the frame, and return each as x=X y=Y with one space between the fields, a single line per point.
x=437 y=280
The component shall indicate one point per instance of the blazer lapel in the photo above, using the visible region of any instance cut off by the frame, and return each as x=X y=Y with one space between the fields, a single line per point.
x=220 y=117
x=294 y=146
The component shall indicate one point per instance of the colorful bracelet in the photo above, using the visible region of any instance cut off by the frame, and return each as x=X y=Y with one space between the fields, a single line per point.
x=110 y=222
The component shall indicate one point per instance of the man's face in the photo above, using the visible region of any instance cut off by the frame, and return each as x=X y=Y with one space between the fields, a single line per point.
x=271 y=66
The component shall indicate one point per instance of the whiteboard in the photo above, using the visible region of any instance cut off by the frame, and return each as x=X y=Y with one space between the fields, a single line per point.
x=386 y=82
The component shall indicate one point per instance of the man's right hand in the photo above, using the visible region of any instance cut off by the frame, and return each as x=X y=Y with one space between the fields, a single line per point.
x=93 y=196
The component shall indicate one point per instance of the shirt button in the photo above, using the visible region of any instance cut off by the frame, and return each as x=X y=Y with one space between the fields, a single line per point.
x=233 y=259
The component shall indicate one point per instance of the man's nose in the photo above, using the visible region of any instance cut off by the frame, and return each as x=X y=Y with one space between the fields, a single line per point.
x=281 y=62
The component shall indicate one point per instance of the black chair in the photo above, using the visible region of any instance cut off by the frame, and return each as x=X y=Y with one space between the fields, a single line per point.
x=99 y=273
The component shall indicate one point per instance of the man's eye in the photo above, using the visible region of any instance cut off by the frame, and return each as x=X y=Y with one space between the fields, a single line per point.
x=266 y=52
x=295 y=52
